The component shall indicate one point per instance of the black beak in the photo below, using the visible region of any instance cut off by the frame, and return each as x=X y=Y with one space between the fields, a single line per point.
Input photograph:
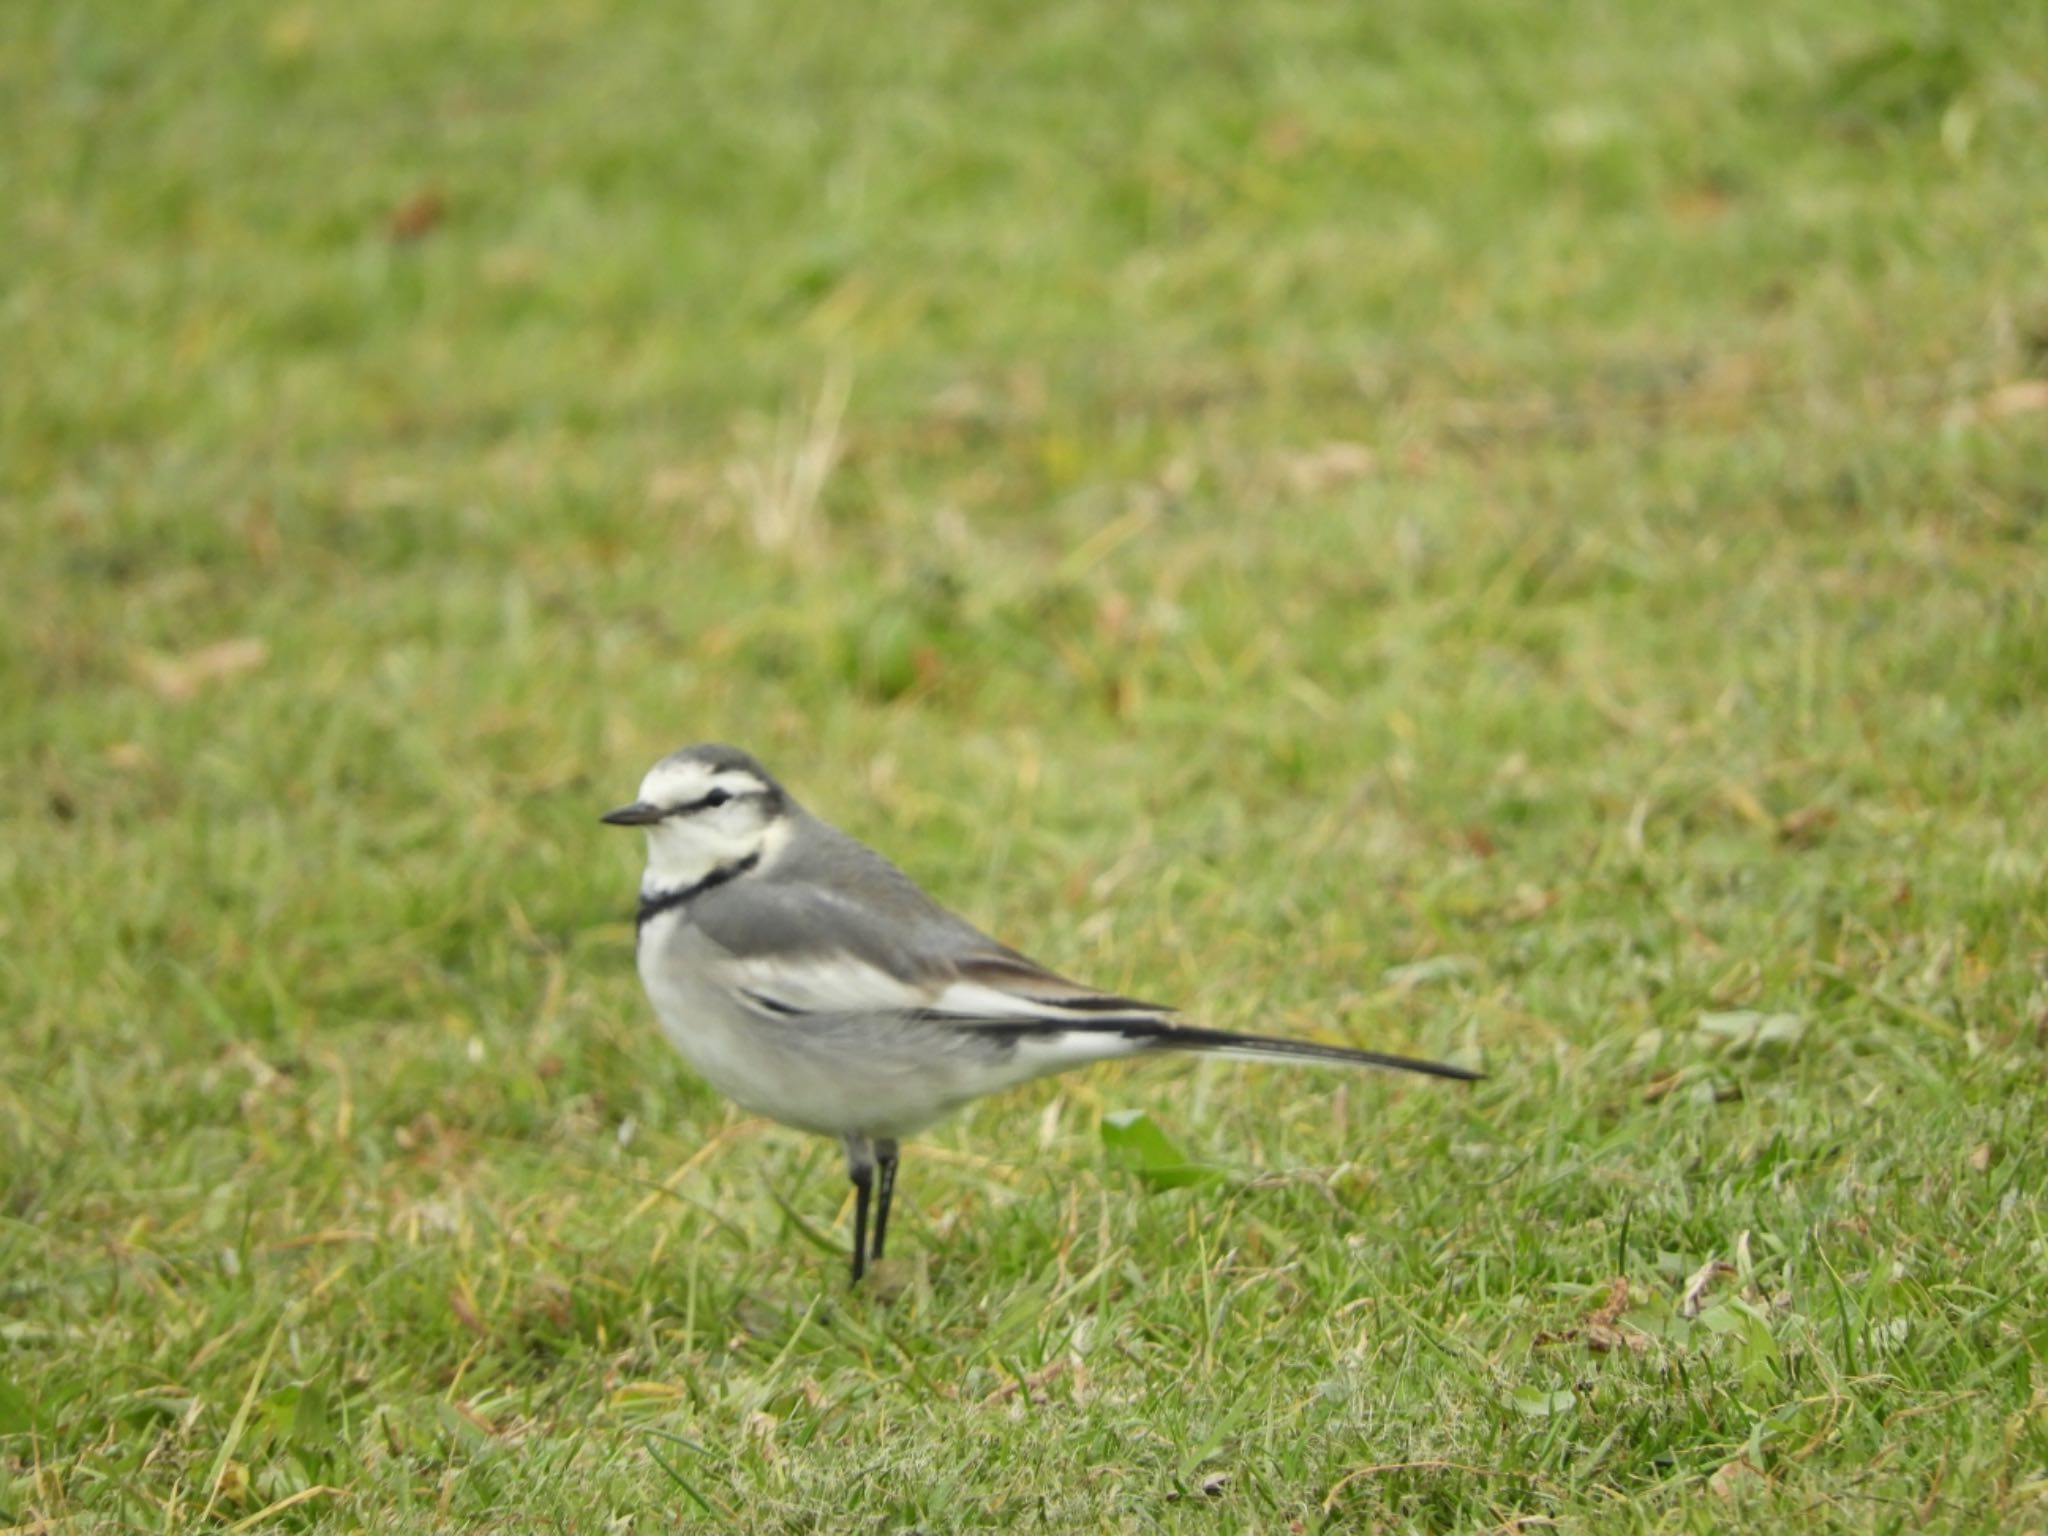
x=638 y=814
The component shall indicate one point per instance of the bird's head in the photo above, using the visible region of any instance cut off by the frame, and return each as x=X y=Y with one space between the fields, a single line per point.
x=705 y=808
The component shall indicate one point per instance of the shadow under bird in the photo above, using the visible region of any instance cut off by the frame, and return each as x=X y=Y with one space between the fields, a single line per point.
x=810 y=980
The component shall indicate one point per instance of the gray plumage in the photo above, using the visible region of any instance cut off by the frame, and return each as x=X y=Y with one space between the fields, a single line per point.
x=812 y=981
x=829 y=894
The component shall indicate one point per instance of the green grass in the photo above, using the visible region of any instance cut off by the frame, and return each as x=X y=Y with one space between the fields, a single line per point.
x=1509 y=531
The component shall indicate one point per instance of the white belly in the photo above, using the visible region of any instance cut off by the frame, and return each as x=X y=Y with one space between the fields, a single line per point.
x=835 y=1077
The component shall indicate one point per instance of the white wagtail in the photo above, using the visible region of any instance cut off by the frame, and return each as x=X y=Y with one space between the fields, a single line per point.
x=809 y=980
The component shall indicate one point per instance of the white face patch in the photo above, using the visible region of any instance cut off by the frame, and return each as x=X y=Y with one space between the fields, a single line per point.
x=701 y=837
x=670 y=784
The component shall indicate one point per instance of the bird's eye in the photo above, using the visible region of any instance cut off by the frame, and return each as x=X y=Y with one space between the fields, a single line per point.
x=716 y=798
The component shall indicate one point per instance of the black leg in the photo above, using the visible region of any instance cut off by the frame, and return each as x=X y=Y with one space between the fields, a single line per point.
x=860 y=1167
x=885 y=1157
x=863 y=1180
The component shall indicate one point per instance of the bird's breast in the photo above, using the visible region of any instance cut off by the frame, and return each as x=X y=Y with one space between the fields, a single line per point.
x=871 y=1073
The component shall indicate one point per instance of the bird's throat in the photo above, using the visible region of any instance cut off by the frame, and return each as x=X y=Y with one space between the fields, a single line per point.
x=657 y=900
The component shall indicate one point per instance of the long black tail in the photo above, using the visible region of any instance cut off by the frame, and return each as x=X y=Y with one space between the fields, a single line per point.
x=1159 y=1034
x=1237 y=1047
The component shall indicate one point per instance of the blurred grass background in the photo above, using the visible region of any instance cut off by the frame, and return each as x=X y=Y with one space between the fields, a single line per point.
x=1501 y=530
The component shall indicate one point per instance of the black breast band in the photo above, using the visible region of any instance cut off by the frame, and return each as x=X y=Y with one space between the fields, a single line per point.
x=652 y=906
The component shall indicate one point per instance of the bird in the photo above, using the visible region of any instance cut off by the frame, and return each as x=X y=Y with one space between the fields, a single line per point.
x=812 y=982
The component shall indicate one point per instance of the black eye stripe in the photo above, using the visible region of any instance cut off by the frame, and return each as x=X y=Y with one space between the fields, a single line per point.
x=712 y=801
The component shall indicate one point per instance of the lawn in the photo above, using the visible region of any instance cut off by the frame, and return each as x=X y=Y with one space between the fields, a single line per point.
x=1511 y=532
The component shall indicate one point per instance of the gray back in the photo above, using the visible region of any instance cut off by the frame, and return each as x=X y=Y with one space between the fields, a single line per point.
x=830 y=895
